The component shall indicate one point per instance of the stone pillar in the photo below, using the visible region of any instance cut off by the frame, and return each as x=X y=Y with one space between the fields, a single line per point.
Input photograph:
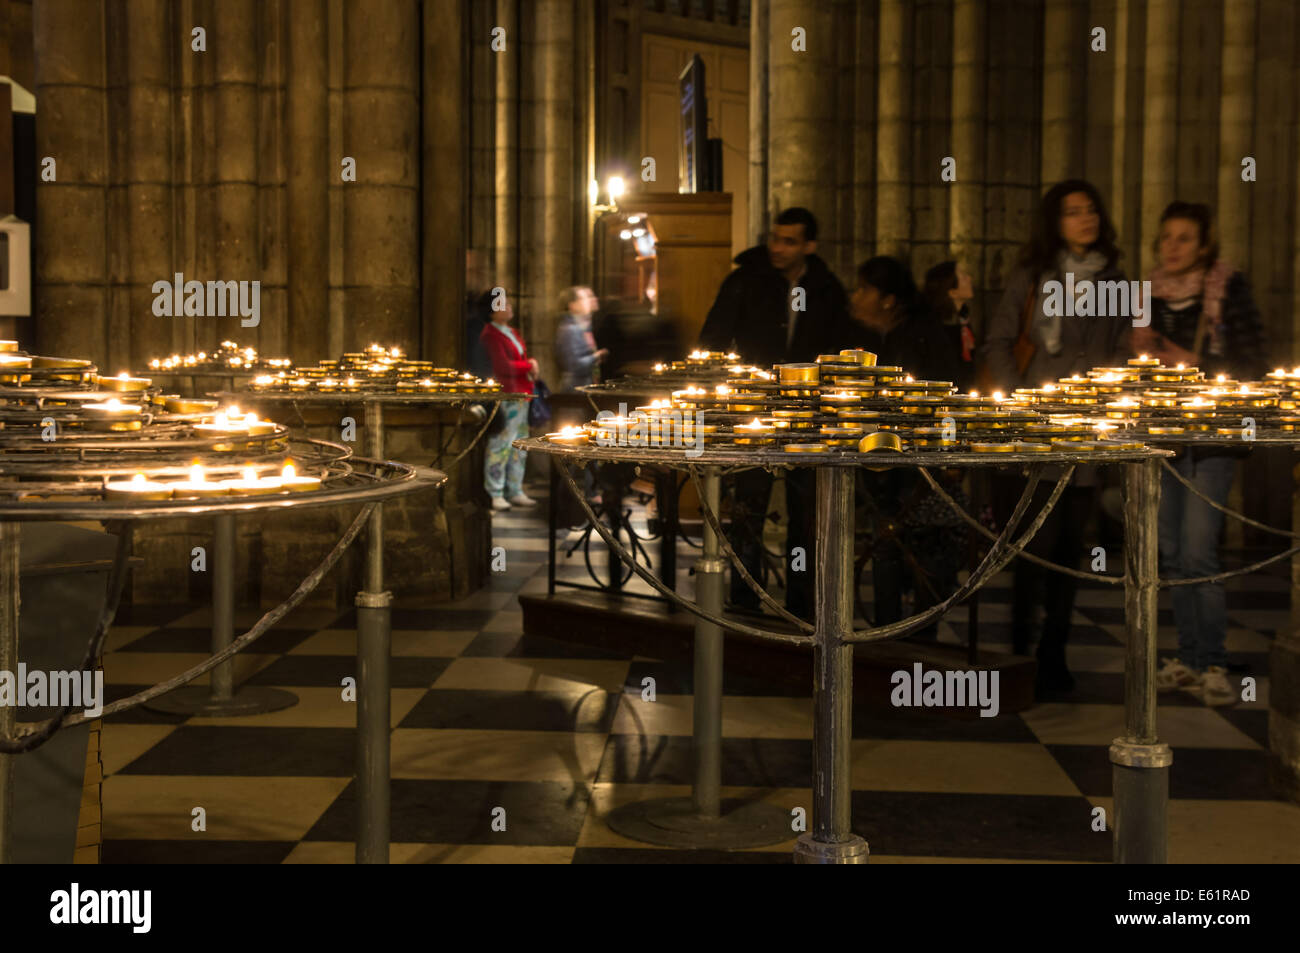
x=1159 y=122
x=759 y=47
x=801 y=113
x=1236 y=128
x=444 y=138
x=71 y=127
x=506 y=224
x=381 y=232
x=1065 y=43
x=546 y=160
x=864 y=135
x=141 y=196
x=893 y=129
x=309 y=166
x=270 y=236
x=966 y=208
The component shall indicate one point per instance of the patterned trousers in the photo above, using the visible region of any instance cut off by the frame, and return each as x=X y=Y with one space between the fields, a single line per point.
x=504 y=466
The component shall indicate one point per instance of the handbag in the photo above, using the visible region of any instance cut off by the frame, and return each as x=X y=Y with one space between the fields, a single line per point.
x=539 y=408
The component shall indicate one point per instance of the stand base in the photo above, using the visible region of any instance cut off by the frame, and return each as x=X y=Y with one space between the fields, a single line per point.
x=809 y=851
x=248 y=700
x=673 y=822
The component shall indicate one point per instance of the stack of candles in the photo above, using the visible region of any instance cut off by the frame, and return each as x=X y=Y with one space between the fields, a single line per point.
x=377 y=369
x=225 y=359
x=198 y=487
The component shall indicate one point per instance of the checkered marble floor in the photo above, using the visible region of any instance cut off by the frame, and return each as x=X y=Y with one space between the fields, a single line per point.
x=556 y=734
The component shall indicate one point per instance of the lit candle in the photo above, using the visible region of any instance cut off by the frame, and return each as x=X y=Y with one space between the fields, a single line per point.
x=1144 y=361
x=569 y=437
x=123 y=383
x=252 y=485
x=138 y=487
x=291 y=481
x=197 y=487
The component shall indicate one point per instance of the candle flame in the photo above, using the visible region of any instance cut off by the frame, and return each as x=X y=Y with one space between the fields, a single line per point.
x=250 y=474
x=138 y=478
x=196 y=473
x=289 y=471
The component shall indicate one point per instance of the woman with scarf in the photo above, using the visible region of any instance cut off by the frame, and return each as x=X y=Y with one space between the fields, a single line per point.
x=1202 y=314
x=1025 y=346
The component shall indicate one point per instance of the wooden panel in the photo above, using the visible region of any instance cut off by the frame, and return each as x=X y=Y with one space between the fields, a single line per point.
x=726 y=85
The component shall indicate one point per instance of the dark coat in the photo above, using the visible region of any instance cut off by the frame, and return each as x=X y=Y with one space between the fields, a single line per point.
x=918 y=344
x=750 y=313
x=1243 y=355
x=1085 y=342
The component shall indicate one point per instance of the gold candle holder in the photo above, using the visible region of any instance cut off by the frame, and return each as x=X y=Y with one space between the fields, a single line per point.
x=291 y=481
x=138 y=488
x=123 y=383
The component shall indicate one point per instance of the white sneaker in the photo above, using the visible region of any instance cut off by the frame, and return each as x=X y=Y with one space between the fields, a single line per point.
x=1215 y=688
x=499 y=503
x=522 y=499
x=1174 y=674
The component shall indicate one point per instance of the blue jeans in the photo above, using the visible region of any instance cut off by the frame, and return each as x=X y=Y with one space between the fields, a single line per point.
x=1189 y=547
x=504 y=465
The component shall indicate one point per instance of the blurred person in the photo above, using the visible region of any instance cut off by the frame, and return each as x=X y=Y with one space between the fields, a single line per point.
x=477 y=317
x=515 y=371
x=575 y=344
x=1203 y=315
x=782 y=304
x=917 y=541
x=948 y=290
x=1026 y=347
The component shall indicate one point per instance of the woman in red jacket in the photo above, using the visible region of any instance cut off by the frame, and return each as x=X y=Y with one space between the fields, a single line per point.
x=514 y=370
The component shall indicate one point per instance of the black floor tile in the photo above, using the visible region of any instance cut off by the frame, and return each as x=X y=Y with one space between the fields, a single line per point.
x=1009 y=826
x=678 y=678
x=1200 y=773
x=669 y=759
x=514 y=711
x=1252 y=722
x=139 y=715
x=197 y=749
x=546 y=813
x=150 y=615
x=518 y=645
x=329 y=671
x=200 y=640
x=196 y=851
x=442 y=620
x=917 y=726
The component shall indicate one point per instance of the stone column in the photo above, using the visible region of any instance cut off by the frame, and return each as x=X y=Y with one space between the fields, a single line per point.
x=546 y=158
x=1236 y=128
x=864 y=135
x=759 y=47
x=444 y=138
x=893 y=130
x=71 y=127
x=309 y=167
x=1065 y=43
x=1159 y=121
x=381 y=232
x=506 y=224
x=802 y=141
x=270 y=236
x=966 y=208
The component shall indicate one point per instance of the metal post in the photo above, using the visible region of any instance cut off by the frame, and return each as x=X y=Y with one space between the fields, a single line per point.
x=223 y=604
x=552 y=524
x=1140 y=769
x=705 y=819
x=374 y=638
x=832 y=840
x=219 y=699
x=668 y=527
x=8 y=663
x=709 y=572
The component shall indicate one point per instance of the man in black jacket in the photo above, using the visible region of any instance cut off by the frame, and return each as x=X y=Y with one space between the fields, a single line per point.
x=782 y=305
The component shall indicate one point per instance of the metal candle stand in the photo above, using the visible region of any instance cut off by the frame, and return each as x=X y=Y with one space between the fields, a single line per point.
x=1141 y=773
x=351 y=486
x=374 y=609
